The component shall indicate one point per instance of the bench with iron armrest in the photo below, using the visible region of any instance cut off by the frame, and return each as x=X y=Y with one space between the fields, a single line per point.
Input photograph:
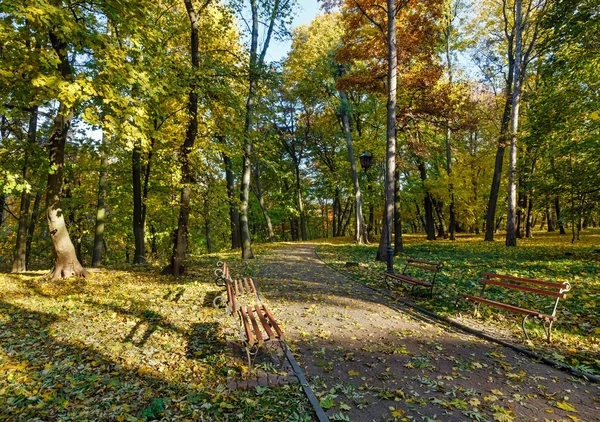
x=255 y=320
x=244 y=286
x=543 y=288
x=433 y=267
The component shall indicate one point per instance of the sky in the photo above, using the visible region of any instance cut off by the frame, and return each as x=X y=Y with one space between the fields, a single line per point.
x=305 y=12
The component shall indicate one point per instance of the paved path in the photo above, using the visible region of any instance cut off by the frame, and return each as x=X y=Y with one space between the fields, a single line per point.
x=371 y=359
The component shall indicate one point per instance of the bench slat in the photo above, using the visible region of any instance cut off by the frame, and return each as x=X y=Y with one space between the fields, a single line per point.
x=257 y=332
x=246 y=324
x=407 y=279
x=273 y=322
x=247 y=288
x=252 y=286
x=423 y=267
x=422 y=261
x=523 y=288
x=508 y=307
x=526 y=280
x=264 y=322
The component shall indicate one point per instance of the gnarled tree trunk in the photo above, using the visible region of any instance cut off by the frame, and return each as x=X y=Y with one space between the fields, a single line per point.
x=66 y=263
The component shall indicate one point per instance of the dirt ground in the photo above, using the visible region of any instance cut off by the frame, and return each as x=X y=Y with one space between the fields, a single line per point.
x=370 y=359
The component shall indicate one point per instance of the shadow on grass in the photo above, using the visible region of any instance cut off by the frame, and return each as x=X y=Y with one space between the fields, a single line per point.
x=51 y=380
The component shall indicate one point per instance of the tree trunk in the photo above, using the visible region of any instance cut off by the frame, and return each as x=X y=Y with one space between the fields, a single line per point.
x=261 y=202
x=398 y=246
x=561 y=226
x=390 y=162
x=20 y=256
x=521 y=205
x=549 y=217
x=2 y=208
x=448 y=132
x=255 y=66
x=101 y=208
x=181 y=236
x=65 y=257
x=209 y=247
x=504 y=123
x=335 y=213
x=427 y=204
x=439 y=212
x=511 y=235
x=139 y=254
x=234 y=218
x=300 y=202
x=371 y=222
x=31 y=229
x=361 y=232
x=529 y=221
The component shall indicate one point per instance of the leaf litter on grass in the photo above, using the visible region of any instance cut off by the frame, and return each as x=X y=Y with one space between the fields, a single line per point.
x=124 y=345
x=551 y=257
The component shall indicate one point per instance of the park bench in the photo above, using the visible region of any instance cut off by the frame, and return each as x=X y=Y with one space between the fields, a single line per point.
x=415 y=265
x=542 y=289
x=256 y=323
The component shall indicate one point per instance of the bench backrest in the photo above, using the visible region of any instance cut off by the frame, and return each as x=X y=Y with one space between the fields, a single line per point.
x=549 y=288
x=546 y=288
x=424 y=265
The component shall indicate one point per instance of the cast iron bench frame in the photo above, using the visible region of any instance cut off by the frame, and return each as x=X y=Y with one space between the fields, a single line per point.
x=256 y=323
x=433 y=267
x=553 y=289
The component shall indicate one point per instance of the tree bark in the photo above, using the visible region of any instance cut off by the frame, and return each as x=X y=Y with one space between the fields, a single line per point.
x=2 y=208
x=100 y=207
x=65 y=257
x=427 y=204
x=139 y=254
x=31 y=229
x=261 y=202
x=20 y=256
x=256 y=63
x=511 y=238
x=300 y=203
x=549 y=217
x=209 y=247
x=181 y=236
x=398 y=246
x=361 y=232
x=529 y=221
x=561 y=226
x=390 y=162
x=502 y=140
x=234 y=218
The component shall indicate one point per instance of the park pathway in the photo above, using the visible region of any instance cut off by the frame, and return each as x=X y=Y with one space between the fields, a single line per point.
x=371 y=359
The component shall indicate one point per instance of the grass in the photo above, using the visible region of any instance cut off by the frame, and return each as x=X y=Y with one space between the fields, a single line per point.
x=126 y=345
x=551 y=257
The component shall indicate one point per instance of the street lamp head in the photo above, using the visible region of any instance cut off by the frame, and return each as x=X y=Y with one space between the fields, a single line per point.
x=366 y=160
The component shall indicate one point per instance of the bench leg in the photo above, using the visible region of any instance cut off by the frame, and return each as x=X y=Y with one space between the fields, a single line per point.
x=548 y=329
x=523 y=326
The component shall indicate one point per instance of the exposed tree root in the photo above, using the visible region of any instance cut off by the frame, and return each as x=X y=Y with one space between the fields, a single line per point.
x=66 y=270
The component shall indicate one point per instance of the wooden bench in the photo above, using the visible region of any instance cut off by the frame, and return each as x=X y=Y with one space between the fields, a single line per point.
x=543 y=288
x=256 y=322
x=432 y=267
